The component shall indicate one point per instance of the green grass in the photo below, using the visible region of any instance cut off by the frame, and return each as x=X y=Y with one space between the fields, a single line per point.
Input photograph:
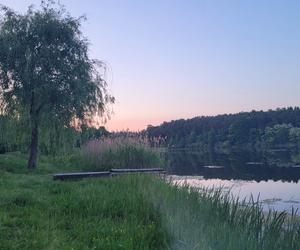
x=130 y=212
x=39 y=213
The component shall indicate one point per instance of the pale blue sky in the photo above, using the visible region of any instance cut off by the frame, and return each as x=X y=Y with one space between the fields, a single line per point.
x=184 y=58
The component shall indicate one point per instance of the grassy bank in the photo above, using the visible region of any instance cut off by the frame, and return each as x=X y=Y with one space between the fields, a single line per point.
x=131 y=212
x=38 y=213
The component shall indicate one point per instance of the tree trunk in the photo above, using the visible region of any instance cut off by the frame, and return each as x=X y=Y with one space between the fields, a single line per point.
x=32 y=162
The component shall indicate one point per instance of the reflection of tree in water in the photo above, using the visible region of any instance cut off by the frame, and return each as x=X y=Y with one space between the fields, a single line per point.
x=282 y=158
x=248 y=165
x=183 y=162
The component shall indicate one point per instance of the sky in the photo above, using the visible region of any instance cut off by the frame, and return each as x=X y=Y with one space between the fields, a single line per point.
x=173 y=59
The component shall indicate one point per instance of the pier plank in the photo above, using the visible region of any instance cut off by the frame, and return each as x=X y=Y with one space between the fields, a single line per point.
x=105 y=174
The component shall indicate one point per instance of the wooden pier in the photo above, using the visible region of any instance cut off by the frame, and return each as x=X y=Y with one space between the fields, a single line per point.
x=70 y=176
x=111 y=173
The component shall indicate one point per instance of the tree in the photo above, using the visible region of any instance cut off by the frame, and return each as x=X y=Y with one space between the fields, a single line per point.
x=278 y=135
x=45 y=70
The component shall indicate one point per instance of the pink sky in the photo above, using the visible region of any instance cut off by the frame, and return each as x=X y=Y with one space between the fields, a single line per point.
x=179 y=59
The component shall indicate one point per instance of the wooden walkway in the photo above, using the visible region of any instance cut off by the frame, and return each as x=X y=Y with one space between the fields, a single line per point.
x=111 y=173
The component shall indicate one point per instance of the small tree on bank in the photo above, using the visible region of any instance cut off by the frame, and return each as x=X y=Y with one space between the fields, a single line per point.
x=45 y=70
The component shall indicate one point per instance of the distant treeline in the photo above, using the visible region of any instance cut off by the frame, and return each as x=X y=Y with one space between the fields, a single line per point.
x=257 y=129
x=54 y=138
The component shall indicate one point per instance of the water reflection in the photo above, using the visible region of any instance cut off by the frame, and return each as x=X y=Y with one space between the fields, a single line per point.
x=273 y=176
x=246 y=165
x=275 y=195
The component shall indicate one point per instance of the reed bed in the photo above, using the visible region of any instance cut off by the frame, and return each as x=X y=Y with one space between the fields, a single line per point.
x=212 y=219
x=120 y=152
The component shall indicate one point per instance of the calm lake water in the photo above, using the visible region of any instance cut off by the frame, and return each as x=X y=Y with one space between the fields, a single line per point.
x=271 y=176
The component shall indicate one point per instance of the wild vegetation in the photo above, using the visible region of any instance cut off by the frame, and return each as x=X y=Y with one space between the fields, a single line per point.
x=120 y=152
x=253 y=130
x=89 y=149
x=54 y=139
x=129 y=212
x=212 y=219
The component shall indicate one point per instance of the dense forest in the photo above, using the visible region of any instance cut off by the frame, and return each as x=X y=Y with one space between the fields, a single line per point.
x=274 y=129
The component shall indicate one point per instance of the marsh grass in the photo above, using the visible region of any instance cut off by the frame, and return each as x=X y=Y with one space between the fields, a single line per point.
x=212 y=219
x=120 y=152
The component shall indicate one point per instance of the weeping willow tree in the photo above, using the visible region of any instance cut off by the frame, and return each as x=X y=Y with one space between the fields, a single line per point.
x=54 y=139
x=46 y=73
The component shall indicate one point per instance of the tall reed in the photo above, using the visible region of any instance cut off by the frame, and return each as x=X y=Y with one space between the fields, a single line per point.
x=120 y=152
x=210 y=219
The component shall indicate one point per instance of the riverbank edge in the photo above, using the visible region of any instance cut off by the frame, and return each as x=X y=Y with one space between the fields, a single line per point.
x=163 y=216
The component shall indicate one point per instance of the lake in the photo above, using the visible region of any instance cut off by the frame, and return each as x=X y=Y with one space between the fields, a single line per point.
x=272 y=176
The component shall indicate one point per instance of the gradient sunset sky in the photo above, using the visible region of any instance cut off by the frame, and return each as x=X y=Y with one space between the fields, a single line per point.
x=171 y=59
